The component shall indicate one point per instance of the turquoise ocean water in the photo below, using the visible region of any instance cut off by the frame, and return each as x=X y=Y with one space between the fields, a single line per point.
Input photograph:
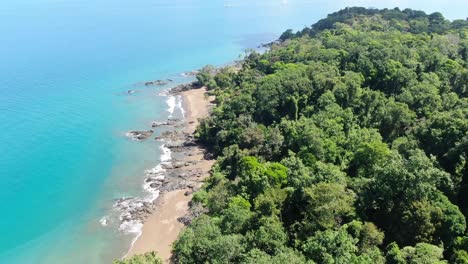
x=65 y=68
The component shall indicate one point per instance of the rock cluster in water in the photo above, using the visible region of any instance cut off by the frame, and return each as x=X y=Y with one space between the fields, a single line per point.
x=133 y=209
x=169 y=122
x=140 y=134
x=158 y=82
x=190 y=73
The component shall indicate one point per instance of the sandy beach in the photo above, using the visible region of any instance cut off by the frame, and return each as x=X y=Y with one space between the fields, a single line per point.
x=161 y=228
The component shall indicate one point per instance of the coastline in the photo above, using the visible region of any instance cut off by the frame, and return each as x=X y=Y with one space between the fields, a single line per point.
x=161 y=227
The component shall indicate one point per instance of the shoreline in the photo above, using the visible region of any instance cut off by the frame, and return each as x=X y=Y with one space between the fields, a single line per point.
x=162 y=226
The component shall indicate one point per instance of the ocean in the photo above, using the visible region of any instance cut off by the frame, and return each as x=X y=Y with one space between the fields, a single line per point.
x=66 y=67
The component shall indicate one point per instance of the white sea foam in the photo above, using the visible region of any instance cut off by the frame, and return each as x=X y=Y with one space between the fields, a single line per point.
x=180 y=106
x=135 y=227
x=156 y=175
x=166 y=156
x=131 y=226
x=171 y=102
x=154 y=192
x=158 y=123
x=130 y=223
x=104 y=221
x=154 y=171
x=164 y=92
x=131 y=136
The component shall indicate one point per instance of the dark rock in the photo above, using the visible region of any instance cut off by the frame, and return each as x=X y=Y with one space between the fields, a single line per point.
x=171 y=135
x=173 y=145
x=178 y=165
x=157 y=82
x=155 y=185
x=154 y=179
x=169 y=122
x=185 y=87
x=185 y=220
x=190 y=143
x=157 y=124
x=169 y=166
x=208 y=156
x=140 y=134
x=190 y=73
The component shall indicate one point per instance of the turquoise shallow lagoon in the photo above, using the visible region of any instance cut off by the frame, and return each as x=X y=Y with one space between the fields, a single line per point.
x=65 y=68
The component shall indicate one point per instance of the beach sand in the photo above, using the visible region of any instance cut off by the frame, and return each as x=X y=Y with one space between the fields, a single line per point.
x=161 y=228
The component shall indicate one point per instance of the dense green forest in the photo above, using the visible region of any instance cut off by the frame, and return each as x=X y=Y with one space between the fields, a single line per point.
x=347 y=142
x=148 y=258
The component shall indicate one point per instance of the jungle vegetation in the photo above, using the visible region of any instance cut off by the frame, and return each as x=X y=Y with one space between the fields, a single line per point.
x=346 y=142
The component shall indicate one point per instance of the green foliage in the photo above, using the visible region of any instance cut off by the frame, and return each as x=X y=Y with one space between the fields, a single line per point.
x=287 y=34
x=327 y=205
x=147 y=258
x=460 y=254
x=203 y=242
x=422 y=253
x=256 y=256
x=236 y=217
x=331 y=247
x=339 y=247
x=205 y=76
x=367 y=233
x=343 y=142
x=270 y=236
x=367 y=156
x=255 y=178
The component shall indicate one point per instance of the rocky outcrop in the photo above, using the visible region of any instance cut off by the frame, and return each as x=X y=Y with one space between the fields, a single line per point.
x=190 y=73
x=158 y=124
x=177 y=179
x=139 y=134
x=158 y=82
x=195 y=210
x=179 y=164
x=169 y=122
x=185 y=87
x=133 y=209
x=172 y=136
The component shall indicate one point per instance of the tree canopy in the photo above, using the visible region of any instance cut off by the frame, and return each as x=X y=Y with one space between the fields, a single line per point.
x=346 y=142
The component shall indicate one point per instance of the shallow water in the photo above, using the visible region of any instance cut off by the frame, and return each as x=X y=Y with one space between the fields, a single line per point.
x=64 y=111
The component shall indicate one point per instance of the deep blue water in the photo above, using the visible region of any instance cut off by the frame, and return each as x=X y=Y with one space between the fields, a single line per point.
x=65 y=67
